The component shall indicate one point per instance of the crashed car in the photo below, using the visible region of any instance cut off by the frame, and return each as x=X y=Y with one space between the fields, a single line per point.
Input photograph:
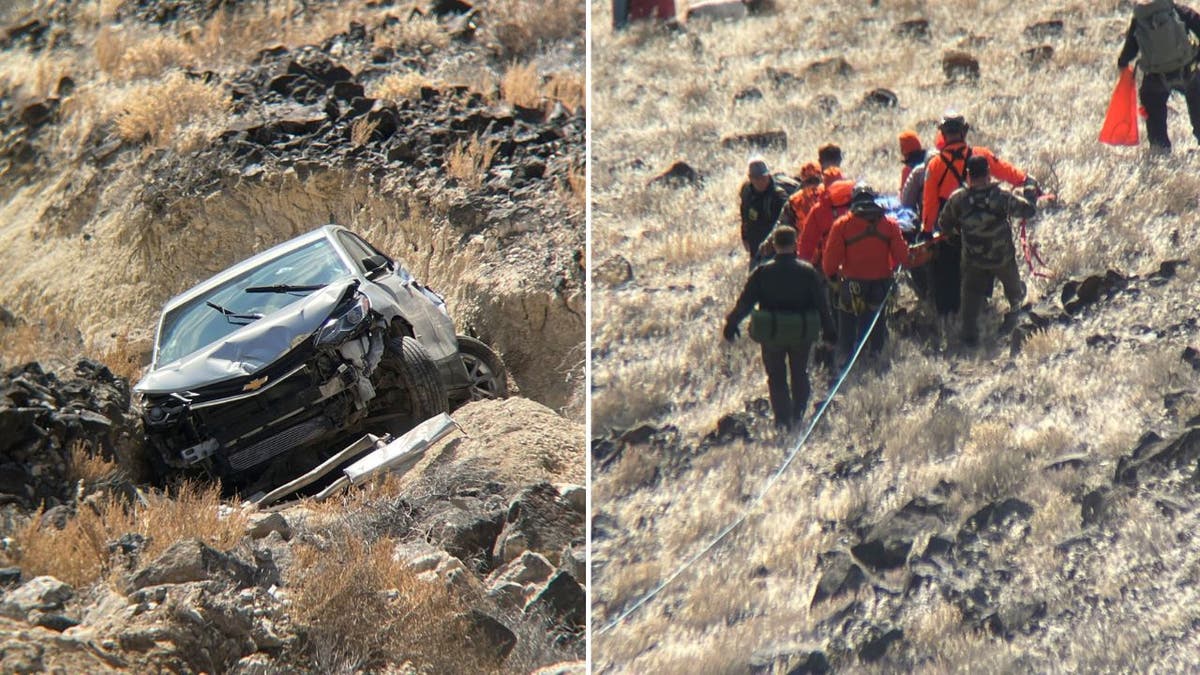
x=318 y=336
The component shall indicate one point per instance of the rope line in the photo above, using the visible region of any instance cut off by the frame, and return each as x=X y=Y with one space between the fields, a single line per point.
x=774 y=478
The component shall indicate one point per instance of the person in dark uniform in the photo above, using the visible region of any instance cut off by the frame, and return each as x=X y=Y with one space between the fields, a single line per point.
x=761 y=200
x=791 y=303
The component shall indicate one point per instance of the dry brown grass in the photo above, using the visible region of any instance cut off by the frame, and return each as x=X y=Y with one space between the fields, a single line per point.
x=178 y=112
x=986 y=422
x=361 y=131
x=567 y=87
x=520 y=26
x=86 y=465
x=469 y=162
x=521 y=85
x=78 y=554
x=400 y=86
x=362 y=609
x=124 y=357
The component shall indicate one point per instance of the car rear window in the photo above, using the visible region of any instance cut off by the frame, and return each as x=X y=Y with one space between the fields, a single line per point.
x=195 y=325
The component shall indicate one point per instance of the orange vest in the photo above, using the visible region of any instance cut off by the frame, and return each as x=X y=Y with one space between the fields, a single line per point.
x=946 y=172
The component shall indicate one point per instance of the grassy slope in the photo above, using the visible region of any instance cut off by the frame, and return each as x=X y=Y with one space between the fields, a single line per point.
x=662 y=96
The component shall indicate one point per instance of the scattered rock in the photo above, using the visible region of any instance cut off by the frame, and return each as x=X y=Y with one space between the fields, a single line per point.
x=616 y=271
x=1044 y=29
x=1156 y=455
x=834 y=66
x=887 y=544
x=191 y=560
x=881 y=98
x=826 y=104
x=959 y=66
x=748 y=94
x=680 y=174
x=782 y=79
x=776 y=138
x=561 y=600
x=841 y=576
x=40 y=594
x=1192 y=357
x=263 y=525
x=538 y=520
x=485 y=631
x=913 y=29
x=731 y=427
x=1015 y=617
x=529 y=568
x=1038 y=55
x=794 y=659
x=874 y=649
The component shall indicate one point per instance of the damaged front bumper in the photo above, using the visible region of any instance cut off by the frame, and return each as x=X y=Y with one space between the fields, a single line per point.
x=318 y=388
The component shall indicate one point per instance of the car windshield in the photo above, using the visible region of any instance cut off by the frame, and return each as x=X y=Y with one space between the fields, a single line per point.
x=223 y=310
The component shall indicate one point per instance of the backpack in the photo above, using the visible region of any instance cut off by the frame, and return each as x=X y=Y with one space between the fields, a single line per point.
x=1162 y=38
x=790 y=185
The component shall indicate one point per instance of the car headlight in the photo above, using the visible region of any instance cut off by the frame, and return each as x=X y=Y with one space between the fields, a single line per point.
x=340 y=328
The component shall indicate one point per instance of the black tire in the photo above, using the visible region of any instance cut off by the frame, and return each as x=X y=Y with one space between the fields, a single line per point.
x=410 y=388
x=486 y=373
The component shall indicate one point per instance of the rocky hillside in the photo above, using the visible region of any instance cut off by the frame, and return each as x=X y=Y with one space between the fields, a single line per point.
x=1027 y=506
x=145 y=145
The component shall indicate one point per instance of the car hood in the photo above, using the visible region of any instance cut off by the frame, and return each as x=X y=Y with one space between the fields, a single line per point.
x=248 y=349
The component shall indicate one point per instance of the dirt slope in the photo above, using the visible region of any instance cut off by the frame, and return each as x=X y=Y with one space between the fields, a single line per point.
x=992 y=511
x=145 y=145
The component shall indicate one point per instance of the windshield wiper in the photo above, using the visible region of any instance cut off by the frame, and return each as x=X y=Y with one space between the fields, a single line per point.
x=234 y=317
x=285 y=288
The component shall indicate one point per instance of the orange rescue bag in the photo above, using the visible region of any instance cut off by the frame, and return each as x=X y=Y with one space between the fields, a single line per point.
x=1121 y=121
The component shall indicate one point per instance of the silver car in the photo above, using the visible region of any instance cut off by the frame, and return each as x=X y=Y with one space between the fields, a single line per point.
x=317 y=336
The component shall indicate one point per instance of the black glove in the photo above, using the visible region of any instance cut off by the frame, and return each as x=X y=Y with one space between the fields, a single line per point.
x=731 y=332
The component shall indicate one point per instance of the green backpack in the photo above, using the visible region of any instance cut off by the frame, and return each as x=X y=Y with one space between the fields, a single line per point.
x=784 y=329
x=1162 y=38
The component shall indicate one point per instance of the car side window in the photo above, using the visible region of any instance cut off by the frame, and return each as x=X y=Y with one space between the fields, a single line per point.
x=357 y=248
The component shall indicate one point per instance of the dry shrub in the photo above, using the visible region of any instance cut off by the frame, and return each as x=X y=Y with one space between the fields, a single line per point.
x=78 y=553
x=400 y=86
x=469 y=163
x=567 y=87
x=361 y=131
x=153 y=56
x=176 y=111
x=419 y=32
x=85 y=464
x=574 y=188
x=123 y=358
x=520 y=26
x=46 y=339
x=362 y=609
x=521 y=85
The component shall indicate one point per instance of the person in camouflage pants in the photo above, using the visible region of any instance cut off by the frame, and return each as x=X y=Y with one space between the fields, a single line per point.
x=979 y=214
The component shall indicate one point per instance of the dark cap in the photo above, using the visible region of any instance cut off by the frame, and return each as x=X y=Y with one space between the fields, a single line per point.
x=757 y=168
x=977 y=166
x=783 y=238
x=953 y=123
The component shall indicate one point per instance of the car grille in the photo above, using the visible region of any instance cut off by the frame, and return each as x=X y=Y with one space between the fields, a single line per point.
x=234 y=419
x=285 y=440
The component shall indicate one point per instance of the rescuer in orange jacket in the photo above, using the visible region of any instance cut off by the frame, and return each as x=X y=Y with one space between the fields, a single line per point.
x=945 y=172
x=912 y=155
x=864 y=248
x=832 y=203
x=830 y=158
x=802 y=200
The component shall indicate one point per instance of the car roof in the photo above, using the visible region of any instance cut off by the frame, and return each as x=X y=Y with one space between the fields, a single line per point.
x=323 y=232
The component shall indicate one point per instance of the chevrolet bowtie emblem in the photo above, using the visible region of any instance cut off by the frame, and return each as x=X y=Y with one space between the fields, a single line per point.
x=255 y=384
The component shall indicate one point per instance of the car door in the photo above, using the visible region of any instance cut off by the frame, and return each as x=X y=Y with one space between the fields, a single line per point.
x=423 y=308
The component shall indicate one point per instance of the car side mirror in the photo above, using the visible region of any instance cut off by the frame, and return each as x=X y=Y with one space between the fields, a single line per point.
x=375 y=265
